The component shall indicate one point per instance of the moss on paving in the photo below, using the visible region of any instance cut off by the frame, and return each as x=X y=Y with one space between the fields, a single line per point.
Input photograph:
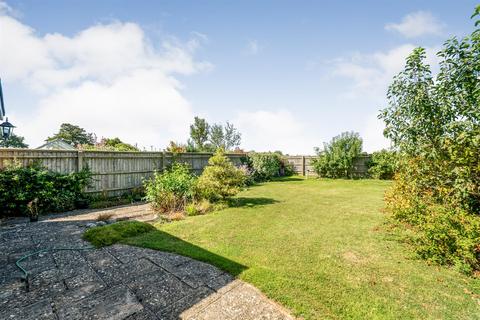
x=322 y=249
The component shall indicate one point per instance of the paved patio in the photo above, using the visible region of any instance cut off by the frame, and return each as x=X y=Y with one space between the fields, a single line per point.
x=117 y=282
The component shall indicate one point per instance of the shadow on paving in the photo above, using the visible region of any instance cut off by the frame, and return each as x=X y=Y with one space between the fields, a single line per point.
x=120 y=281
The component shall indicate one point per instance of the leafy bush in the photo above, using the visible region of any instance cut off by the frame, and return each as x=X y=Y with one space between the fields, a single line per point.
x=220 y=179
x=435 y=124
x=116 y=232
x=50 y=191
x=336 y=158
x=265 y=166
x=383 y=164
x=172 y=189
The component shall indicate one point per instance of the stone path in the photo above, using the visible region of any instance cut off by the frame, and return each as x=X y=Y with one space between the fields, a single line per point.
x=117 y=282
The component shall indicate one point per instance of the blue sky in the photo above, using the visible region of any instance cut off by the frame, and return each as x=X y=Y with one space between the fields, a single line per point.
x=289 y=74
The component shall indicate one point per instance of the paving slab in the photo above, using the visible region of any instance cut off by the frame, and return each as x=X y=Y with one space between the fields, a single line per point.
x=117 y=282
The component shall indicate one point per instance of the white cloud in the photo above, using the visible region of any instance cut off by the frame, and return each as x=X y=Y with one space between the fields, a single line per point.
x=417 y=24
x=108 y=78
x=253 y=48
x=372 y=73
x=274 y=130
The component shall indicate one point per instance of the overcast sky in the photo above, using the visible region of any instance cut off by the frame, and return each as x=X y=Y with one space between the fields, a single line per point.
x=289 y=74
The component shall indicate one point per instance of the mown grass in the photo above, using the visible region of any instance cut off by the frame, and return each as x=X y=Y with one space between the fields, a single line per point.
x=322 y=249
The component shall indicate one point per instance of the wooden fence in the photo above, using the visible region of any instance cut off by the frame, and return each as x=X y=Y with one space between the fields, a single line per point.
x=117 y=172
x=302 y=165
x=113 y=172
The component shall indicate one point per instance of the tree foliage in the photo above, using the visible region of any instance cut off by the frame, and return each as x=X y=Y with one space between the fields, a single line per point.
x=383 y=164
x=14 y=141
x=208 y=138
x=73 y=135
x=435 y=126
x=335 y=160
x=199 y=132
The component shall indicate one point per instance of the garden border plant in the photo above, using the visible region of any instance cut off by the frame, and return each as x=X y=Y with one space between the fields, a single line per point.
x=34 y=190
x=177 y=192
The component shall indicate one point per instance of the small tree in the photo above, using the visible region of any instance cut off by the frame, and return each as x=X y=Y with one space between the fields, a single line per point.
x=14 y=141
x=220 y=179
x=73 y=135
x=336 y=158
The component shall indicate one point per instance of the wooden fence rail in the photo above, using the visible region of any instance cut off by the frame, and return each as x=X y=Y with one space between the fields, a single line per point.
x=117 y=172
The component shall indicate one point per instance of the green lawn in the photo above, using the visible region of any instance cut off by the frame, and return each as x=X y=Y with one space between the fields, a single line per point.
x=321 y=249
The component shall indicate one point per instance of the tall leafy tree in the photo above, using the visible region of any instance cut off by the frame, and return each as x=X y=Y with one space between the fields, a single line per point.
x=232 y=137
x=199 y=132
x=435 y=126
x=14 y=141
x=216 y=137
x=73 y=135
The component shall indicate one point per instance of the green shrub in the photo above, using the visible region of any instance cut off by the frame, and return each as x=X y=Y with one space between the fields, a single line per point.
x=172 y=189
x=116 y=232
x=383 y=164
x=50 y=191
x=220 y=179
x=336 y=158
x=267 y=165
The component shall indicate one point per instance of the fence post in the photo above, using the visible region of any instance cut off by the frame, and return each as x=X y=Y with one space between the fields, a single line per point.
x=303 y=166
x=79 y=160
x=163 y=161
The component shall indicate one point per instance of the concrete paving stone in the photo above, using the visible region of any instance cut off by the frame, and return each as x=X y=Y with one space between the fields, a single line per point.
x=189 y=305
x=125 y=273
x=45 y=278
x=100 y=259
x=80 y=287
x=82 y=278
x=196 y=273
x=79 y=293
x=164 y=259
x=113 y=303
x=69 y=259
x=158 y=291
x=41 y=310
x=22 y=298
x=142 y=315
x=38 y=263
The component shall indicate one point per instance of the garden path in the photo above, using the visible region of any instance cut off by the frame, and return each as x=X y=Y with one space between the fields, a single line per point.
x=117 y=282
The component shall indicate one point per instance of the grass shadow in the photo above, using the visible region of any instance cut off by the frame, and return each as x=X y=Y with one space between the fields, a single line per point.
x=288 y=179
x=163 y=241
x=250 y=202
